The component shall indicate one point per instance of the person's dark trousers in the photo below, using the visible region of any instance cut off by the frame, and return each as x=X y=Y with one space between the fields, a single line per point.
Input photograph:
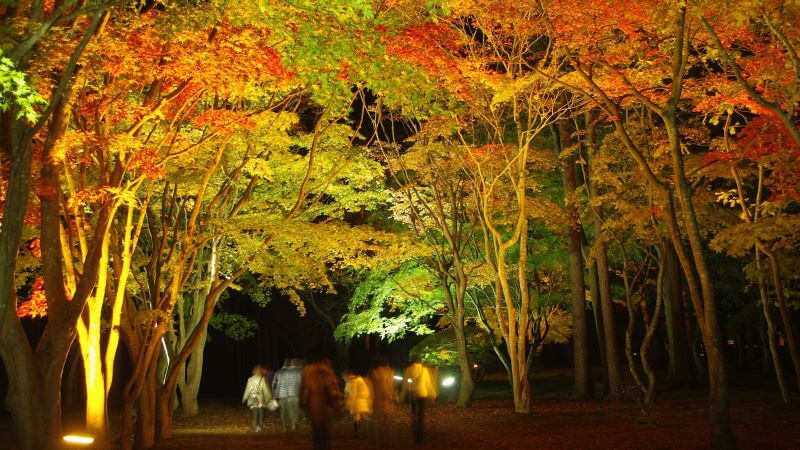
x=418 y=410
x=321 y=436
x=258 y=417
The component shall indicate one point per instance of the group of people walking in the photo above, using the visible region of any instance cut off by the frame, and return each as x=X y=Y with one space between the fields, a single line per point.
x=316 y=390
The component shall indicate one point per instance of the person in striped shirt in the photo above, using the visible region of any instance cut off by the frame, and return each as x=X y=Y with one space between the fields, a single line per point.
x=286 y=389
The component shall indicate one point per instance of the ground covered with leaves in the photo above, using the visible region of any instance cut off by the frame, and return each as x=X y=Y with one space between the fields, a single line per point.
x=679 y=420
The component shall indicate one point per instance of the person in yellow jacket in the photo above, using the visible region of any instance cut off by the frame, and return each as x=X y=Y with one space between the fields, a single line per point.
x=358 y=398
x=419 y=384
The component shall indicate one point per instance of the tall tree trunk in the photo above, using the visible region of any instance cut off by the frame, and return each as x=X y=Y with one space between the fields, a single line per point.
x=606 y=301
x=771 y=333
x=580 y=331
x=467 y=385
x=788 y=328
x=615 y=387
x=455 y=304
x=722 y=434
x=594 y=288
x=146 y=417
x=194 y=372
x=23 y=399
x=678 y=343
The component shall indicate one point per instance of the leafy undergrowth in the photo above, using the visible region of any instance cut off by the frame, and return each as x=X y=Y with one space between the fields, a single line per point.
x=680 y=420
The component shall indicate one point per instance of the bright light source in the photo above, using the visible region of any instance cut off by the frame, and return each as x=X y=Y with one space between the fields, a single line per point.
x=78 y=439
x=409 y=380
x=449 y=381
x=398 y=378
x=474 y=366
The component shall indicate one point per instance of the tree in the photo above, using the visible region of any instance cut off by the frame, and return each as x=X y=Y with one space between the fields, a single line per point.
x=433 y=200
x=604 y=71
x=35 y=375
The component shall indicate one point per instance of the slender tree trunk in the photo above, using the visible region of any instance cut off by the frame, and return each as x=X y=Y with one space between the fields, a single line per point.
x=679 y=353
x=467 y=385
x=580 y=332
x=606 y=302
x=771 y=333
x=650 y=393
x=594 y=288
x=615 y=387
x=194 y=372
x=146 y=417
x=788 y=328
x=722 y=434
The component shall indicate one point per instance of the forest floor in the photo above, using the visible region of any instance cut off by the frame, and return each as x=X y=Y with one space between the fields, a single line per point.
x=679 y=420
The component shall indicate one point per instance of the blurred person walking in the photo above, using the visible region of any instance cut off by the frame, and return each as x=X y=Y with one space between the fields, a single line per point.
x=419 y=386
x=257 y=395
x=320 y=397
x=286 y=389
x=384 y=389
x=358 y=398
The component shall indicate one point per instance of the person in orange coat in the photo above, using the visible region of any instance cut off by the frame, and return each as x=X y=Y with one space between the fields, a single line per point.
x=320 y=397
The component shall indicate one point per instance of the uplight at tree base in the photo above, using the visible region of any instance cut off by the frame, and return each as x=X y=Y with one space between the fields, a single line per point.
x=78 y=439
x=449 y=381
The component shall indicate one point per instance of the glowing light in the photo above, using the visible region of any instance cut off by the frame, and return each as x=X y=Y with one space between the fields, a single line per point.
x=474 y=366
x=398 y=378
x=409 y=380
x=449 y=381
x=78 y=439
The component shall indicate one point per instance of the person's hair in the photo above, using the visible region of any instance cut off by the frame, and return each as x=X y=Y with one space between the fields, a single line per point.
x=381 y=361
x=415 y=359
x=258 y=368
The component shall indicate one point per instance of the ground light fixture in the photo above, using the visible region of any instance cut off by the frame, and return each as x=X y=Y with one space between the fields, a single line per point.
x=449 y=381
x=78 y=439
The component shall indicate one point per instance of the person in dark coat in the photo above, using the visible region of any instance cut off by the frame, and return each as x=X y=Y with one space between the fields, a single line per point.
x=320 y=398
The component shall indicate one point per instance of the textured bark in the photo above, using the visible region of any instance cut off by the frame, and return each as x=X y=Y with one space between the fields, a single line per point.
x=466 y=383
x=580 y=332
x=612 y=360
x=771 y=332
x=594 y=288
x=788 y=328
x=678 y=343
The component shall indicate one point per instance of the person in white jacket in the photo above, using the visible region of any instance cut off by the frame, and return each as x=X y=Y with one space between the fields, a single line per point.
x=257 y=395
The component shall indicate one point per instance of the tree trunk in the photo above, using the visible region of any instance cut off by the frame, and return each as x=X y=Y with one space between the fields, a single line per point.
x=466 y=384
x=606 y=302
x=788 y=328
x=194 y=372
x=678 y=343
x=722 y=434
x=521 y=386
x=164 y=402
x=580 y=332
x=771 y=333
x=22 y=399
x=146 y=417
x=615 y=387
x=594 y=288
x=697 y=343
